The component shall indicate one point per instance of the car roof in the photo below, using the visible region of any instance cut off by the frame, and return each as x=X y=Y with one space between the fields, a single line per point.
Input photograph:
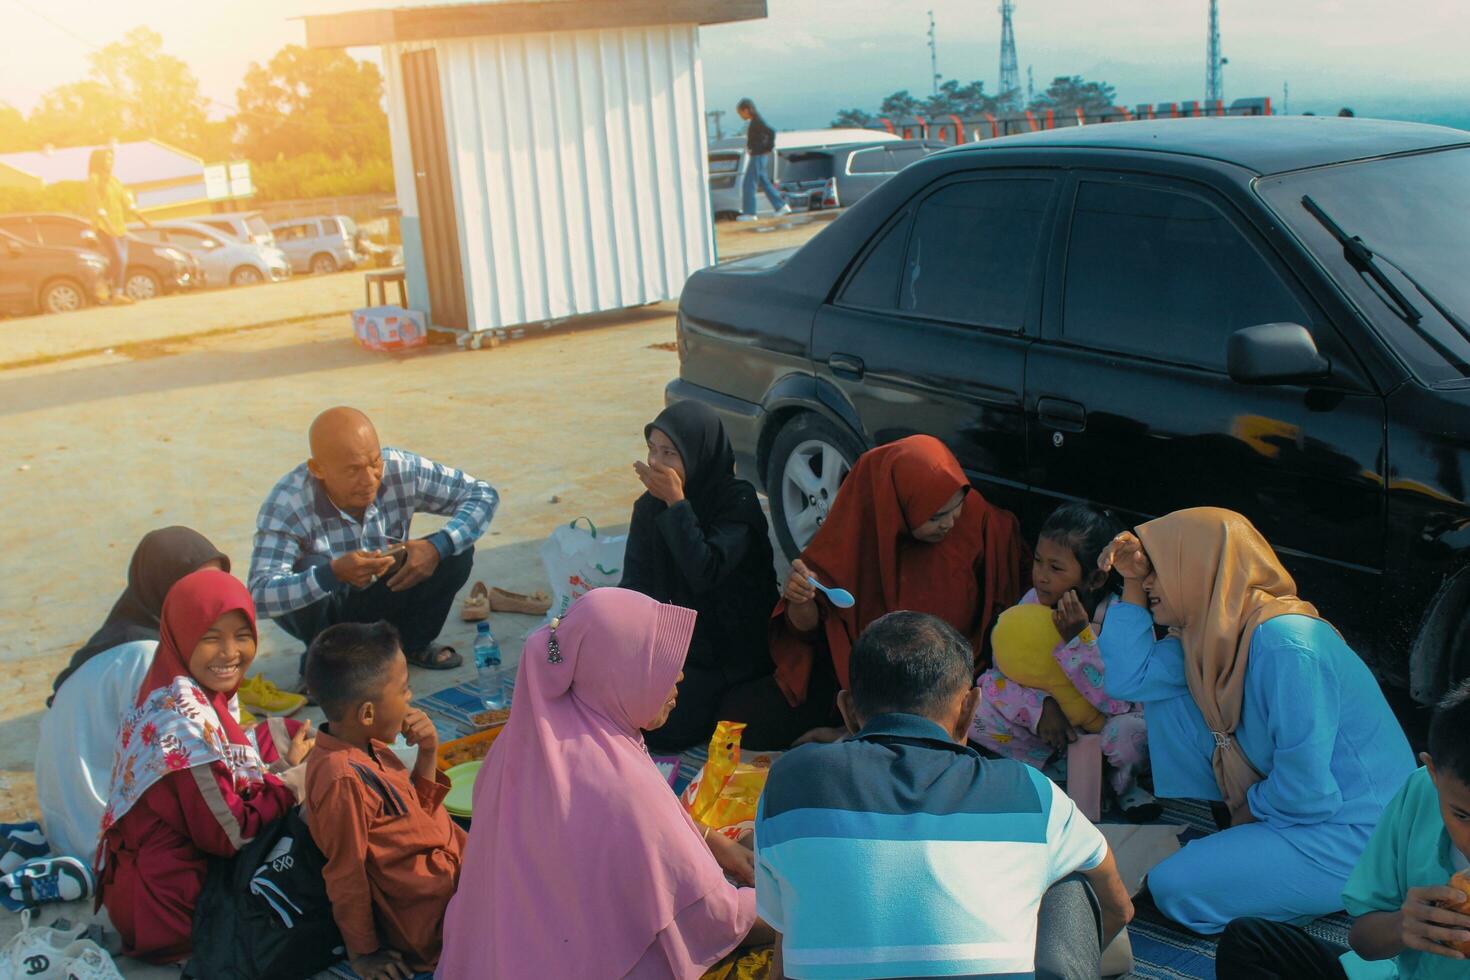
x=43 y=214
x=1263 y=144
x=800 y=139
x=189 y=224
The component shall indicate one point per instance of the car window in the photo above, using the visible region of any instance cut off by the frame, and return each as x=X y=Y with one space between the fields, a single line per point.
x=187 y=236
x=223 y=226
x=873 y=161
x=329 y=227
x=291 y=233
x=874 y=285
x=1165 y=274
x=150 y=234
x=257 y=225
x=806 y=166
x=61 y=233
x=902 y=158
x=973 y=250
x=21 y=228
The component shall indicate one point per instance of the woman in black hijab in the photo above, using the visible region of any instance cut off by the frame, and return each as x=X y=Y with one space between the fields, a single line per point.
x=162 y=558
x=78 y=738
x=700 y=539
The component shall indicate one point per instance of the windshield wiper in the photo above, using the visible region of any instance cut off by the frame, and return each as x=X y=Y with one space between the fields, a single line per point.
x=1365 y=261
x=1361 y=257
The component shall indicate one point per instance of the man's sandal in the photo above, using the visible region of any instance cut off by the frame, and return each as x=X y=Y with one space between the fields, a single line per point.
x=435 y=656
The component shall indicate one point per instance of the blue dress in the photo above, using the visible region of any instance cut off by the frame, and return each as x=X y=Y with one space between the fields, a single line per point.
x=1317 y=727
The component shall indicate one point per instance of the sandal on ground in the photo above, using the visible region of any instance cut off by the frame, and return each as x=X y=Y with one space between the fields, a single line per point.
x=535 y=604
x=436 y=656
x=476 y=605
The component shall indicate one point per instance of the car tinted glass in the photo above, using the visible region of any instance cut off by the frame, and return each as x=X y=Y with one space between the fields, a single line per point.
x=875 y=284
x=1154 y=272
x=973 y=250
x=186 y=236
x=724 y=163
x=806 y=166
x=257 y=225
x=329 y=227
x=903 y=157
x=291 y=233
x=61 y=232
x=874 y=161
x=223 y=226
x=1410 y=211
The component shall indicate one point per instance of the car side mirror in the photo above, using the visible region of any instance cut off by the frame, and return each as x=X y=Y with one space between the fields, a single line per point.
x=1274 y=353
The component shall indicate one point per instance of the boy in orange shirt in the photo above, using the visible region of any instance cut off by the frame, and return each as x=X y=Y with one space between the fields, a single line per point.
x=393 y=854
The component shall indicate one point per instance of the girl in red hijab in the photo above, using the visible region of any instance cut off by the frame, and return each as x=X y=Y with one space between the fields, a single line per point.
x=905 y=532
x=187 y=781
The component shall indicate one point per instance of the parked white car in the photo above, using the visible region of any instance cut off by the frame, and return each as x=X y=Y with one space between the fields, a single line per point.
x=226 y=260
x=728 y=162
x=320 y=244
x=248 y=226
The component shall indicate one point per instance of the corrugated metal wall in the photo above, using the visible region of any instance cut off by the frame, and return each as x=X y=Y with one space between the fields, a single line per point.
x=580 y=169
x=414 y=267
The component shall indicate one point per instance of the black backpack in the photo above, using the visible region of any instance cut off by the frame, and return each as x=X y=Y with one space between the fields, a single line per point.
x=264 y=914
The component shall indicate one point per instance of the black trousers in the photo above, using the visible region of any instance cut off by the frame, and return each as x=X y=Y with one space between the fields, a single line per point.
x=771 y=724
x=1258 y=949
x=418 y=613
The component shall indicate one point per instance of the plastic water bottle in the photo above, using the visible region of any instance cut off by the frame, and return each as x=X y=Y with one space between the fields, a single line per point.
x=496 y=683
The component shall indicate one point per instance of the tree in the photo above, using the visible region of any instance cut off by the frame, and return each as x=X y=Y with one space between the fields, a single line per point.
x=158 y=96
x=15 y=132
x=899 y=104
x=312 y=100
x=853 y=119
x=78 y=114
x=1066 y=94
x=959 y=100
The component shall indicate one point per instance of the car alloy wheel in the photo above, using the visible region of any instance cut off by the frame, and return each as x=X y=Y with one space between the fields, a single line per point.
x=809 y=484
x=246 y=275
x=63 y=297
x=141 y=285
x=323 y=264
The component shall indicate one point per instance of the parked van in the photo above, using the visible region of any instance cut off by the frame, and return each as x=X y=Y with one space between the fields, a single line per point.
x=319 y=245
x=248 y=226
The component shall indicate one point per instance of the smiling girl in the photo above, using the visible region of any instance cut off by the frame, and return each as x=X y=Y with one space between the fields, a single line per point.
x=1027 y=723
x=187 y=782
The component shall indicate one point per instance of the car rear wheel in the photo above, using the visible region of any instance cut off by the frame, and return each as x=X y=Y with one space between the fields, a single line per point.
x=323 y=263
x=809 y=460
x=142 y=284
x=246 y=275
x=63 y=296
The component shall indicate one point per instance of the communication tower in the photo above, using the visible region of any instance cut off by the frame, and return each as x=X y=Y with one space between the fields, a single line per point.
x=1214 y=63
x=1010 y=69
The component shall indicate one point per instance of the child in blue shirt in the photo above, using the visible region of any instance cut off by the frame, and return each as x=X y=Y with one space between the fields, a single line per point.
x=1398 y=888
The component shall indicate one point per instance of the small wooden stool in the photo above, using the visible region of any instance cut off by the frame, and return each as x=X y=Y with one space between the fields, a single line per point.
x=382 y=277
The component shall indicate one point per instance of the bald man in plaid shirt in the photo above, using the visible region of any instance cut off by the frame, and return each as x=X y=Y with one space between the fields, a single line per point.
x=332 y=540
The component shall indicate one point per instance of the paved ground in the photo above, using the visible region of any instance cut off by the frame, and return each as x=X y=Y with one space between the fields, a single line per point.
x=99 y=448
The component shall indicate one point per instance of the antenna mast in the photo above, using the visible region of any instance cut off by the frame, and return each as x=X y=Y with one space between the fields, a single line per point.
x=1214 y=64
x=1010 y=70
x=933 y=58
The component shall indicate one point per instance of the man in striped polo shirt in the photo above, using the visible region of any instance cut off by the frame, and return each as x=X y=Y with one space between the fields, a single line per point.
x=901 y=852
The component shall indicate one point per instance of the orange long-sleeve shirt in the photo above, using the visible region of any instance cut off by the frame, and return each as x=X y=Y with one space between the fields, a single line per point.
x=393 y=854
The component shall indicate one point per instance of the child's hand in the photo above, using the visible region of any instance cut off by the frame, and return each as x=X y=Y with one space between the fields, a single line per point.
x=799 y=591
x=385 y=964
x=1426 y=926
x=1125 y=554
x=1053 y=726
x=419 y=730
x=1069 y=616
x=737 y=860
x=301 y=744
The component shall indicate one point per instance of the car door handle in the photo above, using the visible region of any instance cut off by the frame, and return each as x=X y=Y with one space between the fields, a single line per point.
x=1061 y=415
x=847 y=366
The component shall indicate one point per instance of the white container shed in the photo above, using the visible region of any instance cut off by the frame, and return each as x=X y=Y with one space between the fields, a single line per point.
x=549 y=155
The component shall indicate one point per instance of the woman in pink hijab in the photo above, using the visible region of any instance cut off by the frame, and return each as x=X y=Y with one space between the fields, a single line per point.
x=580 y=860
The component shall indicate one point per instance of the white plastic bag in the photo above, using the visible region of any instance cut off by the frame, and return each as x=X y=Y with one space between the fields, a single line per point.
x=579 y=560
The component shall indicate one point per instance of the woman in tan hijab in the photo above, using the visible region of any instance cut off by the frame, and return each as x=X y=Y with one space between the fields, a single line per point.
x=1252 y=699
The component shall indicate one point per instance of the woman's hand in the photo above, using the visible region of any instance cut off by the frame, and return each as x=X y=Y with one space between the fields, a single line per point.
x=661 y=481
x=799 y=590
x=1125 y=555
x=1054 y=728
x=1069 y=616
x=385 y=964
x=735 y=859
x=301 y=744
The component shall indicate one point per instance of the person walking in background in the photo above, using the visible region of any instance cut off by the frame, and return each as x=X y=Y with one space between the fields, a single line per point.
x=108 y=206
x=760 y=143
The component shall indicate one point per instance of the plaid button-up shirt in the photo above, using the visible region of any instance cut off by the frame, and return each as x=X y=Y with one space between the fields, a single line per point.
x=299 y=530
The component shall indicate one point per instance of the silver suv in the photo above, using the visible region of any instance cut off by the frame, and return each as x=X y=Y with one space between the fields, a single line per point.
x=318 y=245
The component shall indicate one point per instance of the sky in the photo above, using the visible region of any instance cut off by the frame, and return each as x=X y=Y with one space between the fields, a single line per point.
x=1404 y=59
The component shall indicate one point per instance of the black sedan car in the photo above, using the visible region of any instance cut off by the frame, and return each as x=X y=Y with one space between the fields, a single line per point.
x=153 y=269
x=1264 y=314
x=48 y=278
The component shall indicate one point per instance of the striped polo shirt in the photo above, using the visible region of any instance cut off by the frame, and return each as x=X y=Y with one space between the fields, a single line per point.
x=899 y=853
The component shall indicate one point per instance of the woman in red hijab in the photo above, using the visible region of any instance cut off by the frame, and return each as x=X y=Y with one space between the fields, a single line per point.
x=187 y=781
x=908 y=532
